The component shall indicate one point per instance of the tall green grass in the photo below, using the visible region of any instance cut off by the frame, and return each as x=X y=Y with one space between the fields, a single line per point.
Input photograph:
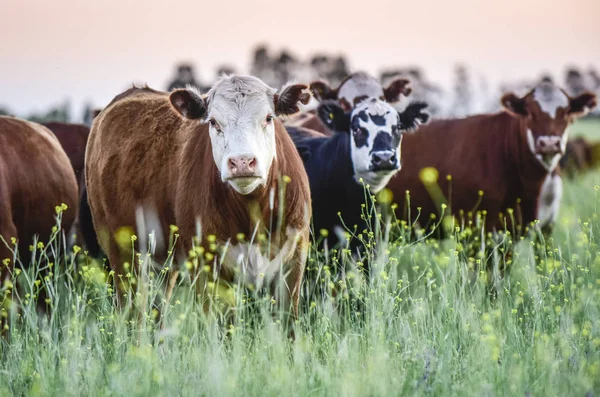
x=429 y=320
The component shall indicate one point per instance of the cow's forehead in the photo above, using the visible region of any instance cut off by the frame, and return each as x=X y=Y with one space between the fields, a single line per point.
x=550 y=98
x=360 y=84
x=374 y=107
x=235 y=96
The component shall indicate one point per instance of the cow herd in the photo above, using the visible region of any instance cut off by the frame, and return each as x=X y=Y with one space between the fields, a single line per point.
x=238 y=177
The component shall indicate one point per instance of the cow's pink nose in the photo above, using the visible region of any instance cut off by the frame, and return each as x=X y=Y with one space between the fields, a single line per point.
x=548 y=145
x=241 y=166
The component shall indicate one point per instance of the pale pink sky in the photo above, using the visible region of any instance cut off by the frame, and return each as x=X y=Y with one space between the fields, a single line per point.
x=51 y=50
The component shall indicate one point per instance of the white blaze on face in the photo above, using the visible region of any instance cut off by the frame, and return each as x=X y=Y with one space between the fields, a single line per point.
x=549 y=199
x=238 y=108
x=550 y=98
x=374 y=130
x=360 y=85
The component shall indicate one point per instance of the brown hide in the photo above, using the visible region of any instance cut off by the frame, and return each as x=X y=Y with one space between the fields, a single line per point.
x=73 y=139
x=35 y=177
x=142 y=153
x=487 y=153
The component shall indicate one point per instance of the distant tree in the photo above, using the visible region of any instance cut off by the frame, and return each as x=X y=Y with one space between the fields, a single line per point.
x=463 y=92
x=5 y=112
x=61 y=113
x=574 y=81
x=183 y=77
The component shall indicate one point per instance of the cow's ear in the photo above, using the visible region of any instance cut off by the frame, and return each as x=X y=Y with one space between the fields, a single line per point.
x=286 y=101
x=395 y=89
x=582 y=104
x=514 y=105
x=188 y=103
x=322 y=91
x=333 y=116
x=413 y=116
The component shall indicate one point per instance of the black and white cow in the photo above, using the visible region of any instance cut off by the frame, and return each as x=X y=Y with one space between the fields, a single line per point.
x=363 y=151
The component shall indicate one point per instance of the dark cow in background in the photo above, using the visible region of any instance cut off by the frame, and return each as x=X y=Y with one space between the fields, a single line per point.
x=364 y=151
x=73 y=138
x=580 y=155
x=35 y=177
x=222 y=168
x=353 y=89
x=510 y=157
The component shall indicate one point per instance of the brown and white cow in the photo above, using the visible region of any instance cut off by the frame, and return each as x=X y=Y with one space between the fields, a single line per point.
x=510 y=157
x=220 y=167
x=353 y=89
x=35 y=177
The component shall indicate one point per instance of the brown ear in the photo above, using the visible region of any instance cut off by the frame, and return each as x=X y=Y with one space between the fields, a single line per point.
x=322 y=91
x=286 y=102
x=395 y=89
x=514 y=105
x=188 y=103
x=582 y=104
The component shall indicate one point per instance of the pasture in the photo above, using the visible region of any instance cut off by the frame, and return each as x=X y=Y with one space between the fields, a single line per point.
x=431 y=321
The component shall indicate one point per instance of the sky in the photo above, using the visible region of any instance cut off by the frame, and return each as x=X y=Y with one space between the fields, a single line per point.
x=90 y=50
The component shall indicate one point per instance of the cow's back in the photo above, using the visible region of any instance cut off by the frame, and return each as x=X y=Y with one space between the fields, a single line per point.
x=461 y=157
x=35 y=177
x=131 y=163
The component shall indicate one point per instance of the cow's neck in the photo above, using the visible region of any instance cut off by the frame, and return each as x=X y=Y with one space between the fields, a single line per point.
x=338 y=167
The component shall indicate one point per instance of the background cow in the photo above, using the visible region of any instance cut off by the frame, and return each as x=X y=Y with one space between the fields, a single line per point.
x=73 y=138
x=364 y=151
x=352 y=90
x=492 y=162
x=222 y=168
x=35 y=177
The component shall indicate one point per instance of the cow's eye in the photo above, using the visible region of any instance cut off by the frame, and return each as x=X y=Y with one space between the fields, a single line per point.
x=269 y=119
x=215 y=125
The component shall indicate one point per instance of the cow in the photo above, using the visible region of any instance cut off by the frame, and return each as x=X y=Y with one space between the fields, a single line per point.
x=73 y=138
x=353 y=89
x=35 y=177
x=221 y=168
x=580 y=155
x=364 y=151
x=502 y=163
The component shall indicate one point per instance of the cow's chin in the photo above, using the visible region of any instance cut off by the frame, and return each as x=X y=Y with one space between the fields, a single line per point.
x=246 y=185
x=376 y=180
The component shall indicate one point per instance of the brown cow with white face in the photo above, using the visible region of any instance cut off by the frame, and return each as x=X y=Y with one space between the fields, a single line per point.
x=510 y=156
x=354 y=89
x=35 y=177
x=218 y=167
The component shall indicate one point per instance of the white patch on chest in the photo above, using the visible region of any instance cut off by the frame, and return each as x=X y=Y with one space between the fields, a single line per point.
x=549 y=199
x=549 y=165
x=550 y=99
x=251 y=265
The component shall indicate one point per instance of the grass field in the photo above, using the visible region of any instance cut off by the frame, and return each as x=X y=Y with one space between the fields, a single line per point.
x=427 y=323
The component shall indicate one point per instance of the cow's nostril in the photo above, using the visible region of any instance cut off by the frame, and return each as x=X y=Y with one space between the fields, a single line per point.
x=376 y=159
x=393 y=159
x=232 y=165
x=252 y=164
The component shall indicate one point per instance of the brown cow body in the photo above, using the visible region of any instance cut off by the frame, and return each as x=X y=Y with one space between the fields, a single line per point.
x=491 y=163
x=143 y=155
x=35 y=177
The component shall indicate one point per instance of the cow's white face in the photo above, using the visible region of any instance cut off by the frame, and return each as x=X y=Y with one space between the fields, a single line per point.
x=240 y=111
x=375 y=142
x=547 y=111
x=241 y=117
